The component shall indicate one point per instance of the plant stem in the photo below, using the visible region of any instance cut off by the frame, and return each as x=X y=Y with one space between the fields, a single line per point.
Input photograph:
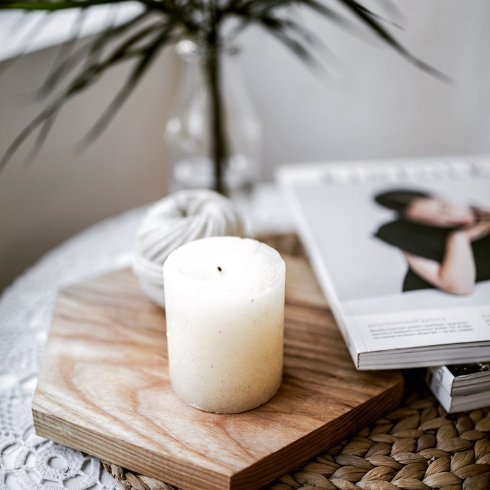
x=217 y=123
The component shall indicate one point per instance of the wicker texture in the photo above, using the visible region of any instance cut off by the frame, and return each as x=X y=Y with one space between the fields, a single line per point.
x=416 y=447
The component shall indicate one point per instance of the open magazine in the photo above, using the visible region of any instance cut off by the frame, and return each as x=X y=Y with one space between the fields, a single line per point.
x=401 y=250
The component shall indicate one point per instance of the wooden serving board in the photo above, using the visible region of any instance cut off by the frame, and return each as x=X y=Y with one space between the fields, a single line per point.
x=104 y=389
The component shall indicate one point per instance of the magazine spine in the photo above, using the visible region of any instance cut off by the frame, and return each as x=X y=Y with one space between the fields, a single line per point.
x=438 y=389
x=443 y=376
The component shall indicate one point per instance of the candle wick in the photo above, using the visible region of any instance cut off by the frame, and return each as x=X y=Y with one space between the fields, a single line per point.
x=220 y=269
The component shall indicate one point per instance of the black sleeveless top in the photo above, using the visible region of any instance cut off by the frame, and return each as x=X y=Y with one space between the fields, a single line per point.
x=430 y=242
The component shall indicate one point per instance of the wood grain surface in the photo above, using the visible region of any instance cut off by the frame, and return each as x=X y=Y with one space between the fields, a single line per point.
x=104 y=389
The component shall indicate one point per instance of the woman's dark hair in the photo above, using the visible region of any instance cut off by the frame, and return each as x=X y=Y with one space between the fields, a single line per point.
x=398 y=199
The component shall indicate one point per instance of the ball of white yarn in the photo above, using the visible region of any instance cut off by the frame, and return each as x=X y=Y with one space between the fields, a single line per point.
x=175 y=220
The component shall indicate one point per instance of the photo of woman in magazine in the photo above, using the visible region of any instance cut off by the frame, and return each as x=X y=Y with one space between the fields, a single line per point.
x=446 y=245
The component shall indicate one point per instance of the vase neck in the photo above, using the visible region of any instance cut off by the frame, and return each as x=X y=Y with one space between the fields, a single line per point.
x=192 y=51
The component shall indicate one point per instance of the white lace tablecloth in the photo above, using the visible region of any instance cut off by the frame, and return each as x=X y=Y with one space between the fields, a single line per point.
x=29 y=462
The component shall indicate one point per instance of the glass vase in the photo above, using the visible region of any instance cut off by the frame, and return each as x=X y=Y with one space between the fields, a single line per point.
x=188 y=134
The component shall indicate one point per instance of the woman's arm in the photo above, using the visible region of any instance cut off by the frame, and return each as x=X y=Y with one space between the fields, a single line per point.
x=456 y=274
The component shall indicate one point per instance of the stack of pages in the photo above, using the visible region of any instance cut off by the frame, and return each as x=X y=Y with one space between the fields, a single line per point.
x=401 y=250
x=460 y=387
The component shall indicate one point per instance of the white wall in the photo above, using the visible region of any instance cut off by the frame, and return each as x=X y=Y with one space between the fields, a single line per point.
x=63 y=191
x=372 y=104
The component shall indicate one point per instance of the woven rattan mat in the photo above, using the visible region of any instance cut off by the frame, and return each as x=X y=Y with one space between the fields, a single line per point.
x=416 y=447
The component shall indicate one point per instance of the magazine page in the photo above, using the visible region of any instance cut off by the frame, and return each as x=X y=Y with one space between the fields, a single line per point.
x=402 y=249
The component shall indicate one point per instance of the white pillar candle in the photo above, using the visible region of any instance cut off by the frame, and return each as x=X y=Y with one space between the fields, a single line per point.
x=224 y=301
